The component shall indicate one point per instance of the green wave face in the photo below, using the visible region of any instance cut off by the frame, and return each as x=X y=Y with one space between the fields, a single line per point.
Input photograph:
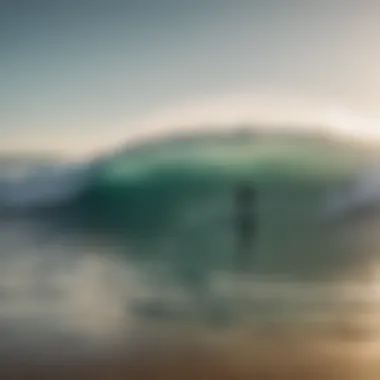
x=175 y=200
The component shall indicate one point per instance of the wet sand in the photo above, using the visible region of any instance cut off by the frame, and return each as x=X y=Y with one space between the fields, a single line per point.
x=327 y=354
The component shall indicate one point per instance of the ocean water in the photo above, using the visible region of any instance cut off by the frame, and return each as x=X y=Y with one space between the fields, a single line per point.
x=146 y=242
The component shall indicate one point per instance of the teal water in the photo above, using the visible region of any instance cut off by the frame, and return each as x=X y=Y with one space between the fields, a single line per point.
x=167 y=208
x=174 y=200
x=152 y=239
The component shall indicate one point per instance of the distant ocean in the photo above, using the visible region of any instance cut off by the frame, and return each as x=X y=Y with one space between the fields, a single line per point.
x=146 y=237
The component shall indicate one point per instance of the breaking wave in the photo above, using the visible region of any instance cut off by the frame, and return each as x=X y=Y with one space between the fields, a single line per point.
x=174 y=197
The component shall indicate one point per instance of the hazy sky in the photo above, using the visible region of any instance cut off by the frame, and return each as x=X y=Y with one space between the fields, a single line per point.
x=74 y=72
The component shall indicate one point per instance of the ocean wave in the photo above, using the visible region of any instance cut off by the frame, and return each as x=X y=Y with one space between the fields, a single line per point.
x=173 y=200
x=174 y=197
x=157 y=173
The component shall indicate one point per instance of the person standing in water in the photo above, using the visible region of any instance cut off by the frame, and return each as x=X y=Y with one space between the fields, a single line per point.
x=245 y=222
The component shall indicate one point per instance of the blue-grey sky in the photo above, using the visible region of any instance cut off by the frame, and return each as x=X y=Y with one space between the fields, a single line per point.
x=74 y=71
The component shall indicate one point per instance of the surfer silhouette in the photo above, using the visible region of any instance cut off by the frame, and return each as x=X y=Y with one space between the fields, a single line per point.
x=245 y=223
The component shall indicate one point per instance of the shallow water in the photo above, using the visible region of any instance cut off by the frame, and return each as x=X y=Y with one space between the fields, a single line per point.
x=66 y=294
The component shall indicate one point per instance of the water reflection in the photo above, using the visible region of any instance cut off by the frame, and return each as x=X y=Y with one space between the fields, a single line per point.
x=68 y=293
